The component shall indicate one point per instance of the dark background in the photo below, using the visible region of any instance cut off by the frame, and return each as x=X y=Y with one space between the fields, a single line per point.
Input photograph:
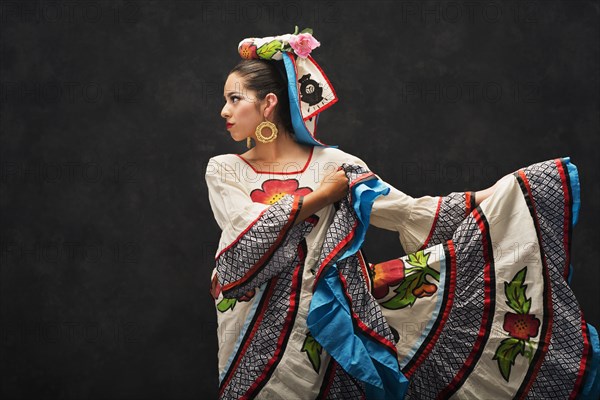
x=110 y=111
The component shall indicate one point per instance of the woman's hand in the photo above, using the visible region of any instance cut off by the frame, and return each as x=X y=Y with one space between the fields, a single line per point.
x=335 y=186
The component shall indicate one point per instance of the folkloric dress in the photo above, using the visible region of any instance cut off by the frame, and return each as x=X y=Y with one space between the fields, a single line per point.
x=480 y=306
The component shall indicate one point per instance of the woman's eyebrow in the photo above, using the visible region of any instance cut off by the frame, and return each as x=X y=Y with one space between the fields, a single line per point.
x=230 y=93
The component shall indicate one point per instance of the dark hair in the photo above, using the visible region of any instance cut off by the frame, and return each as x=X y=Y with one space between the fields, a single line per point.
x=264 y=77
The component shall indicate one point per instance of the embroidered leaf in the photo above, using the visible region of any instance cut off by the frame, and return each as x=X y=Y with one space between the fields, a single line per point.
x=307 y=30
x=313 y=349
x=506 y=353
x=226 y=304
x=267 y=50
x=405 y=296
x=515 y=293
x=418 y=259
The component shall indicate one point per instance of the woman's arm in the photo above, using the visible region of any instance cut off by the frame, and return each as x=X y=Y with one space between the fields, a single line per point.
x=334 y=187
x=422 y=221
x=311 y=203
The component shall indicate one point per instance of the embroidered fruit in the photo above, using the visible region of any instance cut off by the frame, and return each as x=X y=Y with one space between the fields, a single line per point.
x=425 y=290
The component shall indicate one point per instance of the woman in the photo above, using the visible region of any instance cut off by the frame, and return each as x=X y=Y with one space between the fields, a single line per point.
x=301 y=312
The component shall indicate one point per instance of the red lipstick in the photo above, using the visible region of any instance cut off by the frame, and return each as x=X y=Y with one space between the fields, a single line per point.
x=228 y=125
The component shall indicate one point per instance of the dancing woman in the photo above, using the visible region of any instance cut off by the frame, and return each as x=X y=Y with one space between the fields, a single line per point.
x=302 y=314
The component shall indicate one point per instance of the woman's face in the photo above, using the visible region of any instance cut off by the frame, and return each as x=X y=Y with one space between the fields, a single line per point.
x=240 y=108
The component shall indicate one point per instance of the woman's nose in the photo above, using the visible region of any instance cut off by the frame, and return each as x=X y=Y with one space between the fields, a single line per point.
x=224 y=112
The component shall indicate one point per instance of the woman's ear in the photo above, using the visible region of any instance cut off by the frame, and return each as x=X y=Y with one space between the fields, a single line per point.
x=271 y=102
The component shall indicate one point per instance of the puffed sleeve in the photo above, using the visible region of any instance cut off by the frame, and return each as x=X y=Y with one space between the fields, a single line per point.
x=422 y=221
x=258 y=241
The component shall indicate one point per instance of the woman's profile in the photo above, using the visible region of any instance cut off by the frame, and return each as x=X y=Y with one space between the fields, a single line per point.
x=302 y=314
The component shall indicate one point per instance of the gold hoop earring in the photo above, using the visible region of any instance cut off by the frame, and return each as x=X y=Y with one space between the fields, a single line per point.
x=261 y=137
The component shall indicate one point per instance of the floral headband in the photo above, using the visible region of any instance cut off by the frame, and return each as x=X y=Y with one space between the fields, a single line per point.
x=310 y=92
x=271 y=47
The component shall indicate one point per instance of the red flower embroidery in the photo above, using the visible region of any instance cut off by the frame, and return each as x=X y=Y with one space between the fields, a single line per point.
x=386 y=274
x=248 y=51
x=425 y=290
x=274 y=189
x=521 y=326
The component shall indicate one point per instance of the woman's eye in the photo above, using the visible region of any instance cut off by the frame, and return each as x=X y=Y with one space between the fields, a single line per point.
x=233 y=99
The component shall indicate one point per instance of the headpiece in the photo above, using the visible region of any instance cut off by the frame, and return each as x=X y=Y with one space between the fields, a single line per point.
x=310 y=92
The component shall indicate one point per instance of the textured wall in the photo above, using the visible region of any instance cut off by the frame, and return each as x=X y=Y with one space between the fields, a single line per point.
x=110 y=111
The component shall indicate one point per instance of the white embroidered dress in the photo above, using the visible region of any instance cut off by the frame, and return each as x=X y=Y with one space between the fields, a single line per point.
x=445 y=287
x=239 y=193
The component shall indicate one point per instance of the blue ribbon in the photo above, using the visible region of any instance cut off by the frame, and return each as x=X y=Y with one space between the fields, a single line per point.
x=330 y=318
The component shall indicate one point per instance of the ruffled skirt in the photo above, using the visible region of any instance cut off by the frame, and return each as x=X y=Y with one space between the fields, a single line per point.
x=489 y=314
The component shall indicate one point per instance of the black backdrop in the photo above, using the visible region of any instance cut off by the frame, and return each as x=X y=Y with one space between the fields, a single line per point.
x=110 y=111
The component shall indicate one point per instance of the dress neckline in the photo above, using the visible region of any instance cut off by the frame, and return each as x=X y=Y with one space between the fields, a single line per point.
x=281 y=172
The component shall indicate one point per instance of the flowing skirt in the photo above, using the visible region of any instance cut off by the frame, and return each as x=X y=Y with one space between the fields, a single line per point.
x=489 y=313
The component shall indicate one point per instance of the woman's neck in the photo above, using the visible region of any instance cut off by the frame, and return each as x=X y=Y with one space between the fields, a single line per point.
x=283 y=148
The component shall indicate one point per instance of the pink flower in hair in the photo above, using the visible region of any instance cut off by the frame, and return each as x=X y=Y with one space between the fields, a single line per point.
x=303 y=44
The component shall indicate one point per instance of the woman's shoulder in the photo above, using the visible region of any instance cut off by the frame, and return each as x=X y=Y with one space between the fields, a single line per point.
x=333 y=153
x=225 y=158
x=338 y=155
x=222 y=165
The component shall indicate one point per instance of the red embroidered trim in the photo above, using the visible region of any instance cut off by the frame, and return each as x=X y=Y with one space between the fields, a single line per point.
x=284 y=335
x=255 y=327
x=281 y=172
x=584 y=359
x=548 y=311
x=370 y=332
x=446 y=312
x=484 y=329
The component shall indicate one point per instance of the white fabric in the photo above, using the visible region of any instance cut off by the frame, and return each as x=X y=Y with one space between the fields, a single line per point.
x=230 y=182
